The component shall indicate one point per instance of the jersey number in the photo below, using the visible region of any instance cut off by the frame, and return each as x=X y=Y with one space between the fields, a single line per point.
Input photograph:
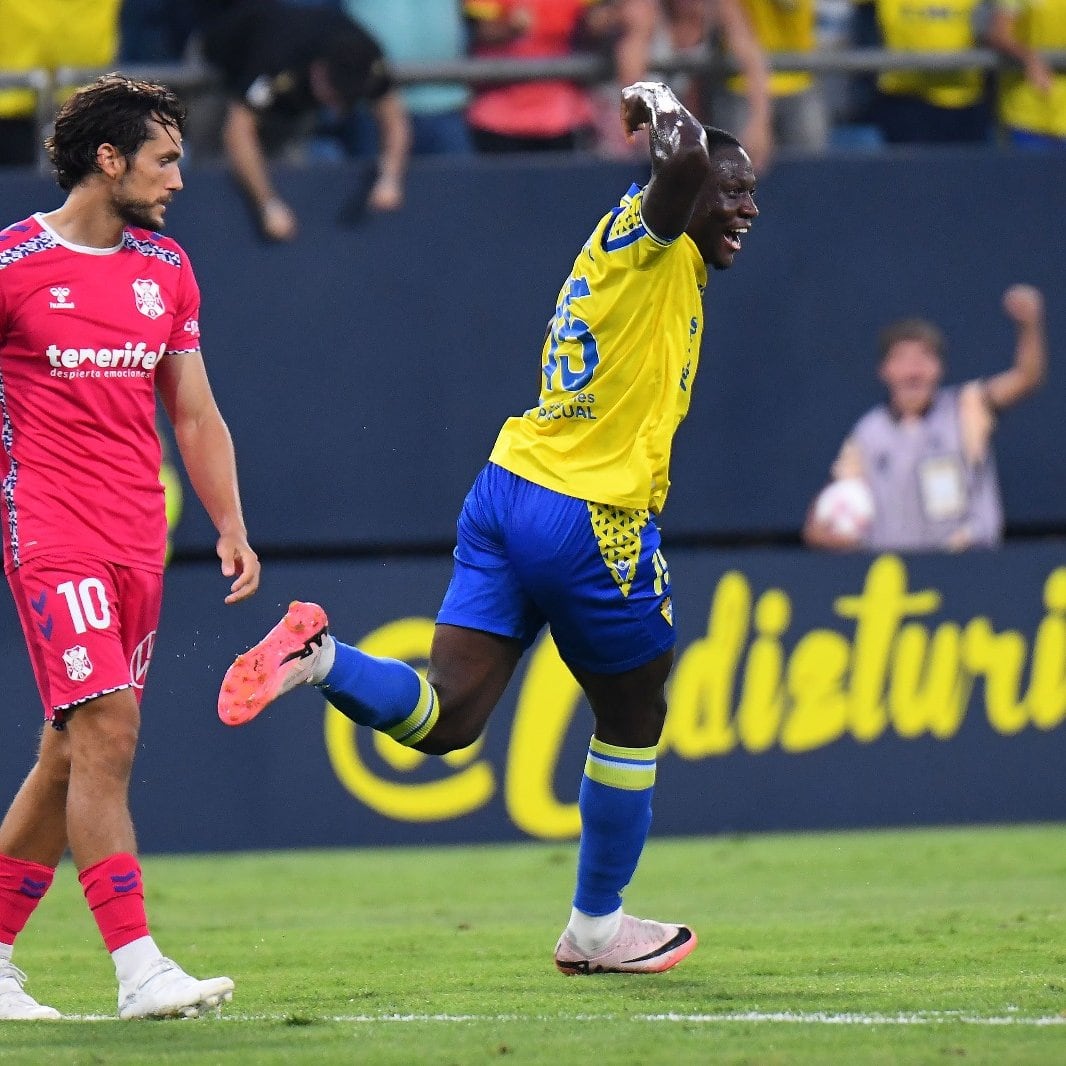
x=87 y=604
x=565 y=327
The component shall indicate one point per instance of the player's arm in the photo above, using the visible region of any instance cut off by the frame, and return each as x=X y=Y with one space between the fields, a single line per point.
x=244 y=150
x=680 y=163
x=206 y=448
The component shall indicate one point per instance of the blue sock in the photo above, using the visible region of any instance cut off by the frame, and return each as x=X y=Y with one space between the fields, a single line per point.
x=384 y=694
x=615 y=805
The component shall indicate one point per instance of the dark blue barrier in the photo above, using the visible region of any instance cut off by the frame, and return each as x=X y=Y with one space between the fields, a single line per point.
x=366 y=368
x=809 y=692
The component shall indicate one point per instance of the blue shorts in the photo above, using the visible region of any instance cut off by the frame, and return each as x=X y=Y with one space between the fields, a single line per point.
x=527 y=556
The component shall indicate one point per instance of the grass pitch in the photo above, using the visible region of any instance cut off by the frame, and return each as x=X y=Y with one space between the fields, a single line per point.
x=881 y=947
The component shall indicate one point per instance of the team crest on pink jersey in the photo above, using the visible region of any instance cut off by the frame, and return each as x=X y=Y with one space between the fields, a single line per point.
x=142 y=657
x=77 y=662
x=149 y=299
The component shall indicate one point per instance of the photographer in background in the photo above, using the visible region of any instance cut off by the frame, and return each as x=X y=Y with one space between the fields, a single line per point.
x=281 y=66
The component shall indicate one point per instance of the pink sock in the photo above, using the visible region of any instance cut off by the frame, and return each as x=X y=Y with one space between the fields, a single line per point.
x=115 y=895
x=22 y=886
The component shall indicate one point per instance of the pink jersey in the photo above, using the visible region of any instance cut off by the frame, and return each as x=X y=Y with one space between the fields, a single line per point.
x=81 y=333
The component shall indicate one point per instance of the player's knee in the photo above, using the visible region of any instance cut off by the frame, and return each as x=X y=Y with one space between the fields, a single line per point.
x=451 y=733
x=54 y=770
x=103 y=740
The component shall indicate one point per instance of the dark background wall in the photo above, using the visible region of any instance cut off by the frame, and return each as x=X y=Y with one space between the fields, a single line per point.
x=365 y=369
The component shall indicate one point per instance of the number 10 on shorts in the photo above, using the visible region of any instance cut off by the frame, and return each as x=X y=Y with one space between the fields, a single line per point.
x=87 y=603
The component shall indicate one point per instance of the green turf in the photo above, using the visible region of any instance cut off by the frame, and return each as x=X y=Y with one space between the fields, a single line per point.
x=943 y=930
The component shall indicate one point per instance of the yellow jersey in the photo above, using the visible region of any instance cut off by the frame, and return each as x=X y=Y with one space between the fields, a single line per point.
x=930 y=26
x=1041 y=24
x=616 y=369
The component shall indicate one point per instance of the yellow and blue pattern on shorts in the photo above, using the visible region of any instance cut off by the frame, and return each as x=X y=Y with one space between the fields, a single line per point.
x=618 y=531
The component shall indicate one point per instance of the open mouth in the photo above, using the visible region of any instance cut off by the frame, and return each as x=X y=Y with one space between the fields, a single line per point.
x=732 y=237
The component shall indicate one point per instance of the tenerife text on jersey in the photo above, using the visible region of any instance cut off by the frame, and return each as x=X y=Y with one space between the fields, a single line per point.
x=129 y=357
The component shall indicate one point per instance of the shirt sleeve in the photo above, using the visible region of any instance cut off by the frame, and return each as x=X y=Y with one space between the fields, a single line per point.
x=185 y=331
x=626 y=238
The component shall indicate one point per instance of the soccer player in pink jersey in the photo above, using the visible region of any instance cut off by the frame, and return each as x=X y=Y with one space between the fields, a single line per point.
x=98 y=313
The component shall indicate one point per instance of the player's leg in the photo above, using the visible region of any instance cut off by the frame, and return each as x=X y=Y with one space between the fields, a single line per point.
x=610 y=614
x=33 y=837
x=484 y=624
x=103 y=740
x=33 y=832
x=615 y=801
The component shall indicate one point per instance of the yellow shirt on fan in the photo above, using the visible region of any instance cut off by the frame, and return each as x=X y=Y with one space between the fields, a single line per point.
x=51 y=34
x=616 y=368
x=1041 y=24
x=781 y=26
x=931 y=26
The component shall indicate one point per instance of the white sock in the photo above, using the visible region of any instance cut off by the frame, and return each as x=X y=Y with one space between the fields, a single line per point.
x=325 y=660
x=5 y=952
x=133 y=958
x=592 y=933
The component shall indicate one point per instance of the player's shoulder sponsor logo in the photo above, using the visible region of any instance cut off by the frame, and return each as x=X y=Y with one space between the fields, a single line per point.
x=192 y=327
x=148 y=297
x=61 y=300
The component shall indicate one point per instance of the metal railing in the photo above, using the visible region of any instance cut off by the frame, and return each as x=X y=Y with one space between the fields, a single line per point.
x=586 y=68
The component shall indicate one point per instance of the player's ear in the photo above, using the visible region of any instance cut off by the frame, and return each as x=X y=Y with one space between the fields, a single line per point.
x=110 y=160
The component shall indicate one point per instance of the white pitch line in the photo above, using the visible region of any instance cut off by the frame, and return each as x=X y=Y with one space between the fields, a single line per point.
x=746 y=1017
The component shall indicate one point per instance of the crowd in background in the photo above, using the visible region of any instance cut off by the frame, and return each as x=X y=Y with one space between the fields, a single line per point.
x=1025 y=102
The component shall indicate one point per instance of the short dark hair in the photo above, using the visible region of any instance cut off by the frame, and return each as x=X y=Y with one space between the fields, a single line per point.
x=911 y=329
x=111 y=110
x=718 y=138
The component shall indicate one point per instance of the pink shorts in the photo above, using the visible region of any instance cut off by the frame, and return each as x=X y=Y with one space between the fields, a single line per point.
x=89 y=626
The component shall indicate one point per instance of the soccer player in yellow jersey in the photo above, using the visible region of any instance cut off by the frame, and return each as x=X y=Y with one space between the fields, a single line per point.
x=559 y=529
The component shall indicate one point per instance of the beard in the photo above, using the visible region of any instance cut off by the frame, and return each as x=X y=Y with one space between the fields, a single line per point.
x=139 y=213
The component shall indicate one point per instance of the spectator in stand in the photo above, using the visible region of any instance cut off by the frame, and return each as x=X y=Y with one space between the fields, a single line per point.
x=800 y=114
x=925 y=457
x=47 y=34
x=912 y=106
x=156 y=31
x=627 y=29
x=422 y=31
x=696 y=27
x=552 y=114
x=281 y=64
x=1032 y=100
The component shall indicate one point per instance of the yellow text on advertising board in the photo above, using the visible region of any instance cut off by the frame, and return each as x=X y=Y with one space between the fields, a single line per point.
x=748 y=684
